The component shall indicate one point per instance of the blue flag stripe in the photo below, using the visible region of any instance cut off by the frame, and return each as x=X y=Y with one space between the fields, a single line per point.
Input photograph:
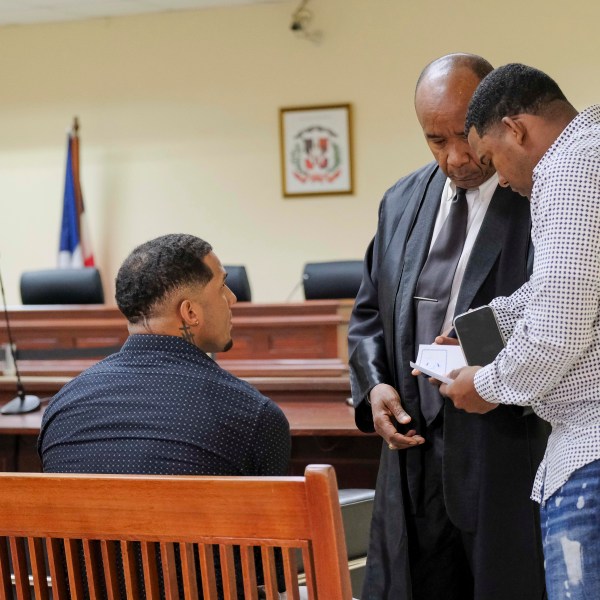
x=69 y=234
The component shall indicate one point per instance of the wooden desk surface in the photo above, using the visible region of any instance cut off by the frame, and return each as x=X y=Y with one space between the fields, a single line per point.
x=315 y=406
x=322 y=367
x=311 y=419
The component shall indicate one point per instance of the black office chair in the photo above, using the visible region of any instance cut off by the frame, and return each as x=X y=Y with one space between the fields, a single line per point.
x=237 y=281
x=62 y=286
x=357 y=511
x=332 y=280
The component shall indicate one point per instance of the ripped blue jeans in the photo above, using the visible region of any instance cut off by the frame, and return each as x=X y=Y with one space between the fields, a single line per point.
x=570 y=521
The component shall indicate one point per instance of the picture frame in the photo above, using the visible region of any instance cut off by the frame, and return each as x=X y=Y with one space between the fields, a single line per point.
x=316 y=150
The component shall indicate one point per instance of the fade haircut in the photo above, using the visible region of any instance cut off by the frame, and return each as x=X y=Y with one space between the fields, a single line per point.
x=156 y=268
x=510 y=90
x=450 y=62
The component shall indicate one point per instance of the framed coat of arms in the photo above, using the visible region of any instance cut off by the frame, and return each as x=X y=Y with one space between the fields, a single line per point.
x=316 y=150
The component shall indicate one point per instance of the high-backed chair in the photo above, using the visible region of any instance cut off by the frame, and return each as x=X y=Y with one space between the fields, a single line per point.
x=62 y=286
x=238 y=283
x=184 y=517
x=357 y=511
x=332 y=280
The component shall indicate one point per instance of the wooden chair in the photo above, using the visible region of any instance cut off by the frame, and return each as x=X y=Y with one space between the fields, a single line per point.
x=186 y=518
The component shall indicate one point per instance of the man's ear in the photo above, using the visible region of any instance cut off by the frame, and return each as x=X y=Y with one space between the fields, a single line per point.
x=516 y=129
x=190 y=313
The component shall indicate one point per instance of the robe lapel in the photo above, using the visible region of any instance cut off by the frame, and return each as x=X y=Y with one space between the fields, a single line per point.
x=392 y=263
x=486 y=249
x=417 y=248
x=393 y=260
x=415 y=255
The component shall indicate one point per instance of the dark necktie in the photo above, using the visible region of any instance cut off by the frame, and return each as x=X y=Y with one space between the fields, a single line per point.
x=434 y=285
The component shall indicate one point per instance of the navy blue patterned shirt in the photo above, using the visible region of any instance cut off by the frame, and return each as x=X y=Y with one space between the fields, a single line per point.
x=162 y=406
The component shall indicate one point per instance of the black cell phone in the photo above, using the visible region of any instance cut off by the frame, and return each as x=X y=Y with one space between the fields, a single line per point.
x=479 y=335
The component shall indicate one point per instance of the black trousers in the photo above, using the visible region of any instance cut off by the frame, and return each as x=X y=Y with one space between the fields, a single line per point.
x=438 y=552
x=447 y=563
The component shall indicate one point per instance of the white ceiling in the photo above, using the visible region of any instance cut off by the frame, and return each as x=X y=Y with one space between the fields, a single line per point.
x=13 y=12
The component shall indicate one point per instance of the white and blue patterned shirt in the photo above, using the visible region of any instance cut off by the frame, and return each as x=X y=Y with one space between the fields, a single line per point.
x=552 y=359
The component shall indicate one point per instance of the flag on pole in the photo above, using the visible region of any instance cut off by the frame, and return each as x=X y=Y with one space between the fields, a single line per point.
x=75 y=249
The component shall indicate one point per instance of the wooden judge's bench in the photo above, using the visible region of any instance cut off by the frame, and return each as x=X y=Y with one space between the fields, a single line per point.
x=294 y=353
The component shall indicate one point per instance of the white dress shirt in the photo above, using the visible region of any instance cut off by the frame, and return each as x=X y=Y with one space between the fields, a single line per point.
x=478 y=201
x=552 y=359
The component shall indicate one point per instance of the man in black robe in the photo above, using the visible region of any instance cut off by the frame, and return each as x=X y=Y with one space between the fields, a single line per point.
x=452 y=518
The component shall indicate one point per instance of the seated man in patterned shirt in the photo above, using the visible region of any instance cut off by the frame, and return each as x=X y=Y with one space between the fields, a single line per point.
x=161 y=405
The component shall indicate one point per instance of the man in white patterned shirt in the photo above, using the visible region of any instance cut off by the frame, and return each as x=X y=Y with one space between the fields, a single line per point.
x=520 y=122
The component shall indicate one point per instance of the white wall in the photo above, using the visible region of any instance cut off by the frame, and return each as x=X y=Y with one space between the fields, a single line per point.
x=179 y=116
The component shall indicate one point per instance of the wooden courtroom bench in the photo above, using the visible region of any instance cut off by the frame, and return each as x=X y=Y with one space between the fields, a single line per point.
x=181 y=516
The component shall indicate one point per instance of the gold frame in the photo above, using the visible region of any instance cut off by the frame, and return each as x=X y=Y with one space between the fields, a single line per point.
x=291 y=188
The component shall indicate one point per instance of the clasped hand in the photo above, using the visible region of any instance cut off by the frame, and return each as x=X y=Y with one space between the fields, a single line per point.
x=386 y=406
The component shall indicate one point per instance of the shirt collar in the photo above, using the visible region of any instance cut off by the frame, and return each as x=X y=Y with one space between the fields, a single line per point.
x=165 y=343
x=487 y=187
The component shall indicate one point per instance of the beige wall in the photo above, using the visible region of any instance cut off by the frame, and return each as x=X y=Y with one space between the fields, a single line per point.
x=179 y=120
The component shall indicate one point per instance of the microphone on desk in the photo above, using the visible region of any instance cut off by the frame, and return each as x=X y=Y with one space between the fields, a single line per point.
x=23 y=403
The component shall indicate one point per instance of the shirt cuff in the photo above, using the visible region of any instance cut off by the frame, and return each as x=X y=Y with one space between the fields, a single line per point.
x=483 y=384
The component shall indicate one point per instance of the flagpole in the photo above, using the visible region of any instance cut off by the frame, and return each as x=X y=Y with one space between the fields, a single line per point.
x=75 y=248
x=75 y=162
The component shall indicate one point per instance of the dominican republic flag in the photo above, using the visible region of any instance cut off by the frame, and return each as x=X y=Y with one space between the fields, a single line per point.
x=75 y=249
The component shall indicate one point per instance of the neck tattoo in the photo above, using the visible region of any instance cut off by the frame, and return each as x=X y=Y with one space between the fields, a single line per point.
x=186 y=333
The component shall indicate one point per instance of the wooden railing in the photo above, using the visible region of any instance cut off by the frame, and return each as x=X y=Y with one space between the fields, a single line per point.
x=314 y=329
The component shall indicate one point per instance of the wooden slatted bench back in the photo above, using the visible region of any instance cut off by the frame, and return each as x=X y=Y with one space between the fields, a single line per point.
x=74 y=533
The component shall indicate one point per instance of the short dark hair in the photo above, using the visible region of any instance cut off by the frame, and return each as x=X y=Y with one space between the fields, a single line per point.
x=156 y=268
x=510 y=90
x=473 y=62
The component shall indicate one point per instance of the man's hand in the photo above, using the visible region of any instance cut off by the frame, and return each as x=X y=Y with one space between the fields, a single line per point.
x=444 y=340
x=386 y=405
x=462 y=391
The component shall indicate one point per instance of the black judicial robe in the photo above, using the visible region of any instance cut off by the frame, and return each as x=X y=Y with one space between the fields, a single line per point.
x=489 y=461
